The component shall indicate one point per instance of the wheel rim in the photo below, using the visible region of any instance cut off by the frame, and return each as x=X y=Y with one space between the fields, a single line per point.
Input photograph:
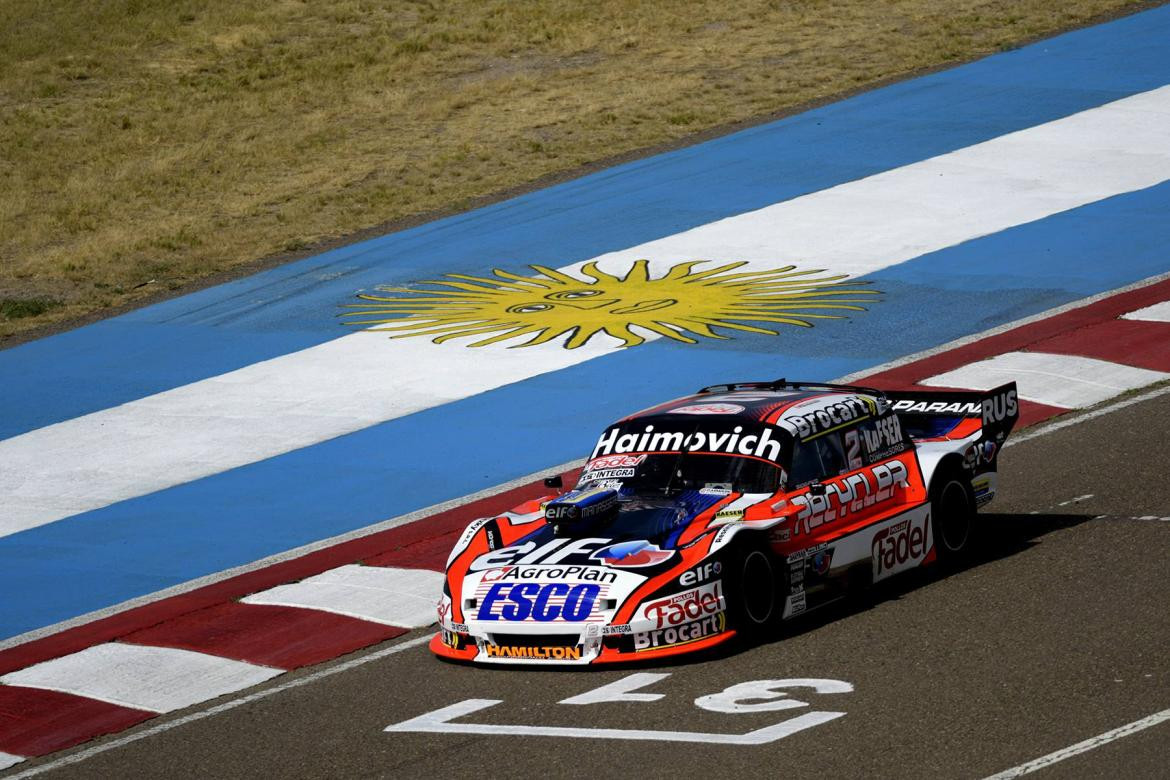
x=954 y=517
x=758 y=593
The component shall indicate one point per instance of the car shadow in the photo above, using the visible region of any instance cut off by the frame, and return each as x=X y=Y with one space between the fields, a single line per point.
x=999 y=536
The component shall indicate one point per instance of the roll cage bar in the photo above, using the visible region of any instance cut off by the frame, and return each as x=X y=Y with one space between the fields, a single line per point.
x=785 y=384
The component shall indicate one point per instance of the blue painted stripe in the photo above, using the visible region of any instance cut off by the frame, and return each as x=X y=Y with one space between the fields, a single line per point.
x=145 y=544
x=293 y=307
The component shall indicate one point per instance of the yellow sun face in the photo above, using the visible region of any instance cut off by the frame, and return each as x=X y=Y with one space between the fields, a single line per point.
x=680 y=305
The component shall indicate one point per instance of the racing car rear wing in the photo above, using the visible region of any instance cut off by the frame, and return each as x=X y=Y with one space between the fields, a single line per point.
x=927 y=414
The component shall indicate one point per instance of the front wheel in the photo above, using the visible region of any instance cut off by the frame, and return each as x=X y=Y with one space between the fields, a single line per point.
x=952 y=510
x=752 y=578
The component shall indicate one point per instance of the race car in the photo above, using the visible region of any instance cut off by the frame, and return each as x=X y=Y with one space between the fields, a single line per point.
x=721 y=514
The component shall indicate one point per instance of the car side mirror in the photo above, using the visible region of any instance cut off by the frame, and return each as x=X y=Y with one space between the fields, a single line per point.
x=554 y=482
x=816 y=489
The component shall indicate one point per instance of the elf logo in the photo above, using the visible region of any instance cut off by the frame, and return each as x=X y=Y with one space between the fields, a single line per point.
x=701 y=573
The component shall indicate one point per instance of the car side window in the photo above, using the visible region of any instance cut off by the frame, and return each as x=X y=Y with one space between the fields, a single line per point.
x=832 y=454
x=820 y=458
x=806 y=465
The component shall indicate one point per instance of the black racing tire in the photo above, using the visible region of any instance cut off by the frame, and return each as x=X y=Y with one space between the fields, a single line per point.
x=753 y=575
x=953 y=516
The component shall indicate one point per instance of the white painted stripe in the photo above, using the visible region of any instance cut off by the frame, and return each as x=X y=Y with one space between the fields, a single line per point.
x=1159 y=312
x=1082 y=747
x=906 y=212
x=441 y=721
x=1067 y=381
x=166 y=725
x=156 y=679
x=7 y=760
x=358 y=380
x=395 y=597
x=256 y=412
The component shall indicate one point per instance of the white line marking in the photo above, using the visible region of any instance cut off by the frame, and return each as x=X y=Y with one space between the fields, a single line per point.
x=1068 y=381
x=381 y=594
x=156 y=679
x=1068 y=422
x=353 y=382
x=1076 y=500
x=159 y=728
x=211 y=579
x=1082 y=747
x=7 y=760
x=1159 y=312
x=439 y=722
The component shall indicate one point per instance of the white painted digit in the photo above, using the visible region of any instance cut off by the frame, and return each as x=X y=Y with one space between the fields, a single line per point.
x=619 y=690
x=732 y=700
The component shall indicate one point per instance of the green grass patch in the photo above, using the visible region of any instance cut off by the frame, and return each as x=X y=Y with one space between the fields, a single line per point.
x=22 y=308
x=188 y=138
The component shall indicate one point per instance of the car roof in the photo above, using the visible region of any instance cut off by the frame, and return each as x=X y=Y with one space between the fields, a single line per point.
x=783 y=407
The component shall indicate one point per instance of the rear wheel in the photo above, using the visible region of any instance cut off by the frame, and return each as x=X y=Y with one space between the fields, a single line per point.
x=952 y=510
x=753 y=588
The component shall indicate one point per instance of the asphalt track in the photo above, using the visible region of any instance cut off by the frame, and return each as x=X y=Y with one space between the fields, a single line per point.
x=1055 y=634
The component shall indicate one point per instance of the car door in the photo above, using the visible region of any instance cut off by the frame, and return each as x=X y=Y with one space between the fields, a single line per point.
x=868 y=471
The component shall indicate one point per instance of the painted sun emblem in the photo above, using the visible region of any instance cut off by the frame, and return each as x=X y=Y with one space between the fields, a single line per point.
x=682 y=304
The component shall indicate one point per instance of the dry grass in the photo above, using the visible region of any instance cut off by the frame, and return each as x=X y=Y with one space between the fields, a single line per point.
x=148 y=143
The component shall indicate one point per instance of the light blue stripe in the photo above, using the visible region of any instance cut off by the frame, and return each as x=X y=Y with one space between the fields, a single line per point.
x=139 y=546
x=293 y=307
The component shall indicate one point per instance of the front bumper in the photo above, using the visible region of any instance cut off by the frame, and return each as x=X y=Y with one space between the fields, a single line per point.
x=592 y=645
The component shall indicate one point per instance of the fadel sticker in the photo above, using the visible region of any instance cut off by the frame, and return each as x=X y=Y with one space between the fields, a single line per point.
x=689 y=605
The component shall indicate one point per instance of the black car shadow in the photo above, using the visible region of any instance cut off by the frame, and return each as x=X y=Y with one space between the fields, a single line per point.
x=999 y=536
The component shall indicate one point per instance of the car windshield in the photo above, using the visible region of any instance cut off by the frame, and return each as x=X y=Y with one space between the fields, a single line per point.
x=670 y=473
